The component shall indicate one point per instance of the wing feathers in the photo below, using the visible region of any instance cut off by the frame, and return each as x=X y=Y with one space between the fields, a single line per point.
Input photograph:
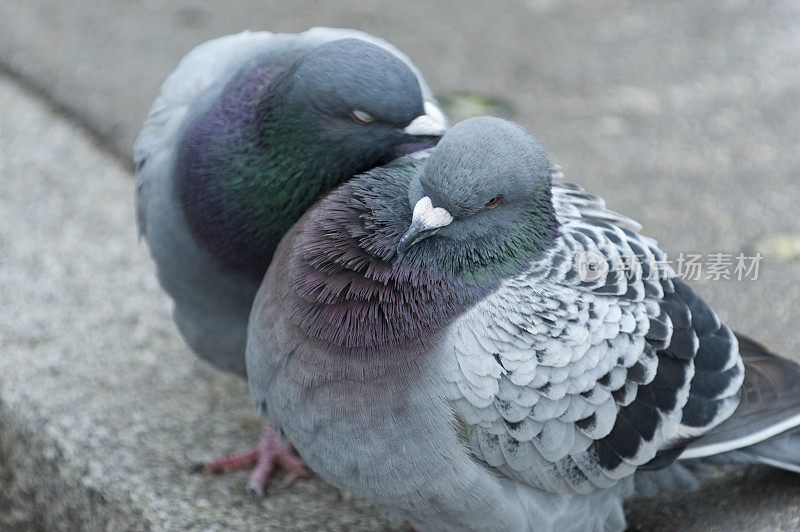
x=576 y=381
x=769 y=406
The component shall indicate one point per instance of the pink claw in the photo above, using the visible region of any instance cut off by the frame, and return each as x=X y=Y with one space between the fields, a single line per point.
x=267 y=453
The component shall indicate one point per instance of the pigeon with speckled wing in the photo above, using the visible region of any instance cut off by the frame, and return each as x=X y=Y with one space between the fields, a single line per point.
x=245 y=135
x=474 y=344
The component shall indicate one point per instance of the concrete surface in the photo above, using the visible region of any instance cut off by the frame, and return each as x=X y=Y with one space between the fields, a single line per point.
x=682 y=114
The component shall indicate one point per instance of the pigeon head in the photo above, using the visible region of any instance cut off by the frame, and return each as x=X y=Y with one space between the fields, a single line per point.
x=362 y=99
x=483 y=195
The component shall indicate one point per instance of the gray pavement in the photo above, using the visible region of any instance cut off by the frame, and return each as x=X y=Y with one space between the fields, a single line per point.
x=683 y=115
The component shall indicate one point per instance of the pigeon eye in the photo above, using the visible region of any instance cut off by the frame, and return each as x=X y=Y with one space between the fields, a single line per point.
x=492 y=203
x=362 y=117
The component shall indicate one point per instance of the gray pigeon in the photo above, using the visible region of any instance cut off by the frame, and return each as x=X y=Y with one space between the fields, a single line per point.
x=245 y=135
x=474 y=344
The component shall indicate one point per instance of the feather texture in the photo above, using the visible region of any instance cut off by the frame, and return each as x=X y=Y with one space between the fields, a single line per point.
x=596 y=376
x=536 y=395
x=214 y=194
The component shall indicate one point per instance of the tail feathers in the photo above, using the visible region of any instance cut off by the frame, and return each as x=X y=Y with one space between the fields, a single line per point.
x=766 y=425
x=782 y=451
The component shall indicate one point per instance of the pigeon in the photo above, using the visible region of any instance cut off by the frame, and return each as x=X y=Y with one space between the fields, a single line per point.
x=471 y=342
x=245 y=135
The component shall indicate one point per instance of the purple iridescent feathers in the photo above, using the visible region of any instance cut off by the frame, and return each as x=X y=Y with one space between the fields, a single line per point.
x=353 y=291
x=226 y=176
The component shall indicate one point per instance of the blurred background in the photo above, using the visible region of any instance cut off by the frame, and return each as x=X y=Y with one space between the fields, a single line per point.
x=683 y=115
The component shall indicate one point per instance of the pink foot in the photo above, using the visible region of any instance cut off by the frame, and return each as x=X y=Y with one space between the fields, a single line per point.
x=265 y=455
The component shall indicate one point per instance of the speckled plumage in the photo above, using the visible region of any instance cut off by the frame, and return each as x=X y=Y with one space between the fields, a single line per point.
x=538 y=401
x=245 y=135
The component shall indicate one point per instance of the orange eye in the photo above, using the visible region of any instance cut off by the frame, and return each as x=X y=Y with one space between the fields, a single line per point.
x=492 y=203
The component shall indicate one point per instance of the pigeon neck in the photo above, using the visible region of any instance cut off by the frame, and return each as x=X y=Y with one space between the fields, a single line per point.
x=249 y=167
x=505 y=256
x=352 y=291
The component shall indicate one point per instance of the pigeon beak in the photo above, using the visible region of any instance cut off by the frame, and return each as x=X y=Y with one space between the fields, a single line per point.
x=425 y=222
x=432 y=124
